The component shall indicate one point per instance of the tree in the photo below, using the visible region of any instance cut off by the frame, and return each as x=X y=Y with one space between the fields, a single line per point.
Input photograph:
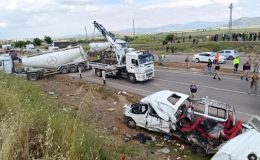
x=164 y=42
x=170 y=38
x=48 y=39
x=37 y=41
x=19 y=44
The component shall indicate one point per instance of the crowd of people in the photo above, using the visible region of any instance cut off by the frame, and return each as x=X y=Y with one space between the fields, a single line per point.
x=213 y=68
x=249 y=36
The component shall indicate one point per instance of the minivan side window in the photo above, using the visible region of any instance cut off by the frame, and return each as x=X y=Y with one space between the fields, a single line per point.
x=217 y=112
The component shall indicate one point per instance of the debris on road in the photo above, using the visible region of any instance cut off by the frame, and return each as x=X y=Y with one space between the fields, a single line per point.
x=51 y=93
x=111 y=109
x=164 y=150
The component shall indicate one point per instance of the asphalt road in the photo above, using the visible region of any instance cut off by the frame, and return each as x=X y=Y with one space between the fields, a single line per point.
x=230 y=89
x=181 y=58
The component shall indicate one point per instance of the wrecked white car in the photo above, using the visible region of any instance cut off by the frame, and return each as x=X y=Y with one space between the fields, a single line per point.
x=205 y=123
x=157 y=112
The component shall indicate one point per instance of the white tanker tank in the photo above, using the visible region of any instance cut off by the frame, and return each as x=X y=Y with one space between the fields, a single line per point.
x=99 y=46
x=55 y=59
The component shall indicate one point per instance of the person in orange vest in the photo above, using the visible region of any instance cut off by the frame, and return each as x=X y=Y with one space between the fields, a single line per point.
x=216 y=57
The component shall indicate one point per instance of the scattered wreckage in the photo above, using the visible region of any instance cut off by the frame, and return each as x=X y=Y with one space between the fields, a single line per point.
x=206 y=124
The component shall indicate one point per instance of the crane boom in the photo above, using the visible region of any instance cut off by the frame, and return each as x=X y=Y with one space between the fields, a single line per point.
x=117 y=48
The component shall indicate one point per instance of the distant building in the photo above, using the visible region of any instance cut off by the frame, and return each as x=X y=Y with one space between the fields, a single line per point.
x=29 y=46
x=6 y=46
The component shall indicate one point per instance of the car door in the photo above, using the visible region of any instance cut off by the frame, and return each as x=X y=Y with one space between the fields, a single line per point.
x=205 y=57
x=139 y=114
x=155 y=123
x=222 y=53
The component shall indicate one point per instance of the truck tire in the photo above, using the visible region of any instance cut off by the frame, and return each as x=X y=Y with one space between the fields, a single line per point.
x=33 y=76
x=64 y=70
x=131 y=123
x=82 y=67
x=98 y=72
x=132 y=78
x=73 y=69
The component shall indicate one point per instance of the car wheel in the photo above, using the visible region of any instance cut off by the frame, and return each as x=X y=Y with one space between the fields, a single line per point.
x=197 y=60
x=131 y=123
x=252 y=156
x=132 y=78
x=197 y=149
x=230 y=57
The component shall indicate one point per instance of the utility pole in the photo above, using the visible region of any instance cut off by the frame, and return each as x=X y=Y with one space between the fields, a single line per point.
x=86 y=34
x=133 y=27
x=230 y=20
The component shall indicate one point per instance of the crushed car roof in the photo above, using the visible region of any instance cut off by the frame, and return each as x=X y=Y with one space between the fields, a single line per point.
x=163 y=107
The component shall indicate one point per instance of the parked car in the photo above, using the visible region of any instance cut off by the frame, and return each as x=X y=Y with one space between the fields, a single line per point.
x=229 y=54
x=205 y=56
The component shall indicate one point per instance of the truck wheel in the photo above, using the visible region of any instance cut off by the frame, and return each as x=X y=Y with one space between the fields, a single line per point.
x=64 y=70
x=132 y=78
x=73 y=69
x=33 y=76
x=82 y=67
x=131 y=123
x=98 y=72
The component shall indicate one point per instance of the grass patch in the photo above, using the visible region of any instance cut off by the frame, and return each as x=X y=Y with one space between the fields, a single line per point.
x=34 y=125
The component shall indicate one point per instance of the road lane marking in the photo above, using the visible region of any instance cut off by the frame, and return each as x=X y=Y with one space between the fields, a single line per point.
x=193 y=73
x=203 y=86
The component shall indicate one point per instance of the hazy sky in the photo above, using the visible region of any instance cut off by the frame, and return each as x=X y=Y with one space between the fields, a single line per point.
x=31 y=18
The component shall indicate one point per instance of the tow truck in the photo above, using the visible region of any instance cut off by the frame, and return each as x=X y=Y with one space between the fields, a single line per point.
x=125 y=62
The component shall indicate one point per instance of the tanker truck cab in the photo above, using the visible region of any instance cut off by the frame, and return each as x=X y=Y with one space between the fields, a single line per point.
x=6 y=63
x=139 y=66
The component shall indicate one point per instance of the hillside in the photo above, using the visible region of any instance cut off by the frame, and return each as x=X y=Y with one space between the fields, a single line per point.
x=238 y=23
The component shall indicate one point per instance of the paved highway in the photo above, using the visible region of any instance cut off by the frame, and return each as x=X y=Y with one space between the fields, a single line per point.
x=230 y=89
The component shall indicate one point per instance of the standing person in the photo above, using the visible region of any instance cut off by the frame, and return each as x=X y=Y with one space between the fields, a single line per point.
x=187 y=61
x=193 y=89
x=236 y=62
x=256 y=64
x=249 y=61
x=209 y=65
x=216 y=58
x=254 y=84
x=216 y=73
x=246 y=70
x=104 y=76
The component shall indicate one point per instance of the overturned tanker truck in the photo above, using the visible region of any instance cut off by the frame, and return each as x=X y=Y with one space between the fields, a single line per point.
x=206 y=124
